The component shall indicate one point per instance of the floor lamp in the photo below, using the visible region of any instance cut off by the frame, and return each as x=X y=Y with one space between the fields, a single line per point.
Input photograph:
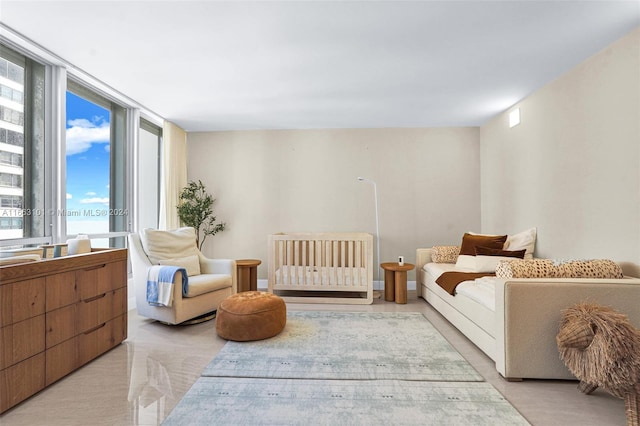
x=375 y=195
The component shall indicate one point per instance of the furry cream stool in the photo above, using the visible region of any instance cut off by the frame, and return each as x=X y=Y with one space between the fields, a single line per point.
x=602 y=349
x=251 y=315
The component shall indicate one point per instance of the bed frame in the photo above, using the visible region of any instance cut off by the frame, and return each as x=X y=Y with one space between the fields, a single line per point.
x=321 y=267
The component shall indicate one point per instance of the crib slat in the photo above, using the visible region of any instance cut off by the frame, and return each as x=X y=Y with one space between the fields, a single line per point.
x=352 y=266
x=289 y=261
x=312 y=264
x=359 y=262
x=296 y=261
x=277 y=261
x=341 y=263
x=356 y=262
x=326 y=262
x=323 y=261
x=285 y=262
x=304 y=262
x=348 y=265
x=280 y=246
x=336 y=253
x=330 y=278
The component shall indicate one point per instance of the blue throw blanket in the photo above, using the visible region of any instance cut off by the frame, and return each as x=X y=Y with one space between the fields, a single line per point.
x=160 y=284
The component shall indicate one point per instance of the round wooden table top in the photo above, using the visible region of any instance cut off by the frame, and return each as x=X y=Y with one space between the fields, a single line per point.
x=393 y=266
x=248 y=262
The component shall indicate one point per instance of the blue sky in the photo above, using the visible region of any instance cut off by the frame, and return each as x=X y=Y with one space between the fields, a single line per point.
x=87 y=158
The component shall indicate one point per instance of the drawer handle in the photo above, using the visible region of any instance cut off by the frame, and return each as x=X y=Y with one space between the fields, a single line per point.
x=96 y=267
x=91 y=299
x=95 y=328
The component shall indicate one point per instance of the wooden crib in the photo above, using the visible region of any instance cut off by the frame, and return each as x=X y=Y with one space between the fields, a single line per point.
x=321 y=267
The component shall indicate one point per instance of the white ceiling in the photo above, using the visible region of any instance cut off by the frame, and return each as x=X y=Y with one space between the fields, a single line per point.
x=211 y=65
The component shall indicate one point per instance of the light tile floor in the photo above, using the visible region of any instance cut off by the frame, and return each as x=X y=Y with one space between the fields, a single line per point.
x=140 y=381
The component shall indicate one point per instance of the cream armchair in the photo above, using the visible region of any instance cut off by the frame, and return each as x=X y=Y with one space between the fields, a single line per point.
x=210 y=280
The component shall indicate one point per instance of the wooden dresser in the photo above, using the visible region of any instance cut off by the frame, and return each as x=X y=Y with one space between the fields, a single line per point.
x=56 y=315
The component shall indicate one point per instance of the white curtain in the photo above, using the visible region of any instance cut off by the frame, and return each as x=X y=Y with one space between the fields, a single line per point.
x=174 y=173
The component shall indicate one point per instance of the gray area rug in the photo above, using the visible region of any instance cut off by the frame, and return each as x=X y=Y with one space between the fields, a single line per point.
x=348 y=346
x=329 y=368
x=247 y=401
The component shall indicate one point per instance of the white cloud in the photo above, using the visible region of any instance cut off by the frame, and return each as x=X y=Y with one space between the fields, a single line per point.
x=83 y=133
x=80 y=122
x=90 y=193
x=95 y=200
x=69 y=196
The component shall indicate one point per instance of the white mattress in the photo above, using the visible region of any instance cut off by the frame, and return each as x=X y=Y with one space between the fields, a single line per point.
x=481 y=290
x=469 y=307
x=321 y=275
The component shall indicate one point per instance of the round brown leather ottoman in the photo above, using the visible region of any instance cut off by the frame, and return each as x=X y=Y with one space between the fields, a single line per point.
x=251 y=315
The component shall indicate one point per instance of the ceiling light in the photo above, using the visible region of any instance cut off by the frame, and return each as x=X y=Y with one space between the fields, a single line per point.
x=514 y=117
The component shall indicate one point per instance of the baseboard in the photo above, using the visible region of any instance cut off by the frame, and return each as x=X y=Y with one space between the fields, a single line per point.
x=377 y=285
x=263 y=286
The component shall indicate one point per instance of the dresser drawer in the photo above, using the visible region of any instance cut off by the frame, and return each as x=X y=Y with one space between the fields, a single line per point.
x=61 y=290
x=62 y=359
x=102 y=338
x=62 y=324
x=21 y=300
x=101 y=309
x=100 y=279
x=21 y=380
x=94 y=281
x=69 y=321
x=21 y=340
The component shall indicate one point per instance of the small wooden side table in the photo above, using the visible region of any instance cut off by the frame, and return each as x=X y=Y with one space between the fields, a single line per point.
x=247 y=270
x=395 y=281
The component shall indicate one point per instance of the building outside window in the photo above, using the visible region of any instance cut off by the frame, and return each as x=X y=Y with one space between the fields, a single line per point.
x=21 y=146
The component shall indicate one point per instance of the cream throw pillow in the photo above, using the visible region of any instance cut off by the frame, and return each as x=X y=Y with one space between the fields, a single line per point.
x=525 y=240
x=190 y=263
x=174 y=244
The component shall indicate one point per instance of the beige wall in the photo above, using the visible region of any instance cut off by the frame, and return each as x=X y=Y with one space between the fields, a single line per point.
x=572 y=167
x=305 y=180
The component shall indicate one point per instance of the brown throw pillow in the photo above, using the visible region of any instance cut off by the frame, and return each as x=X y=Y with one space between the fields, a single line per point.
x=471 y=241
x=467 y=257
x=487 y=251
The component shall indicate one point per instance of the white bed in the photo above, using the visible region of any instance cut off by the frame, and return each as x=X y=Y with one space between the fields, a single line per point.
x=519 y=332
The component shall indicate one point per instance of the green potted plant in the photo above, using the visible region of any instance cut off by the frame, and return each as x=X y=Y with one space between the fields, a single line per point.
x=195 y=209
